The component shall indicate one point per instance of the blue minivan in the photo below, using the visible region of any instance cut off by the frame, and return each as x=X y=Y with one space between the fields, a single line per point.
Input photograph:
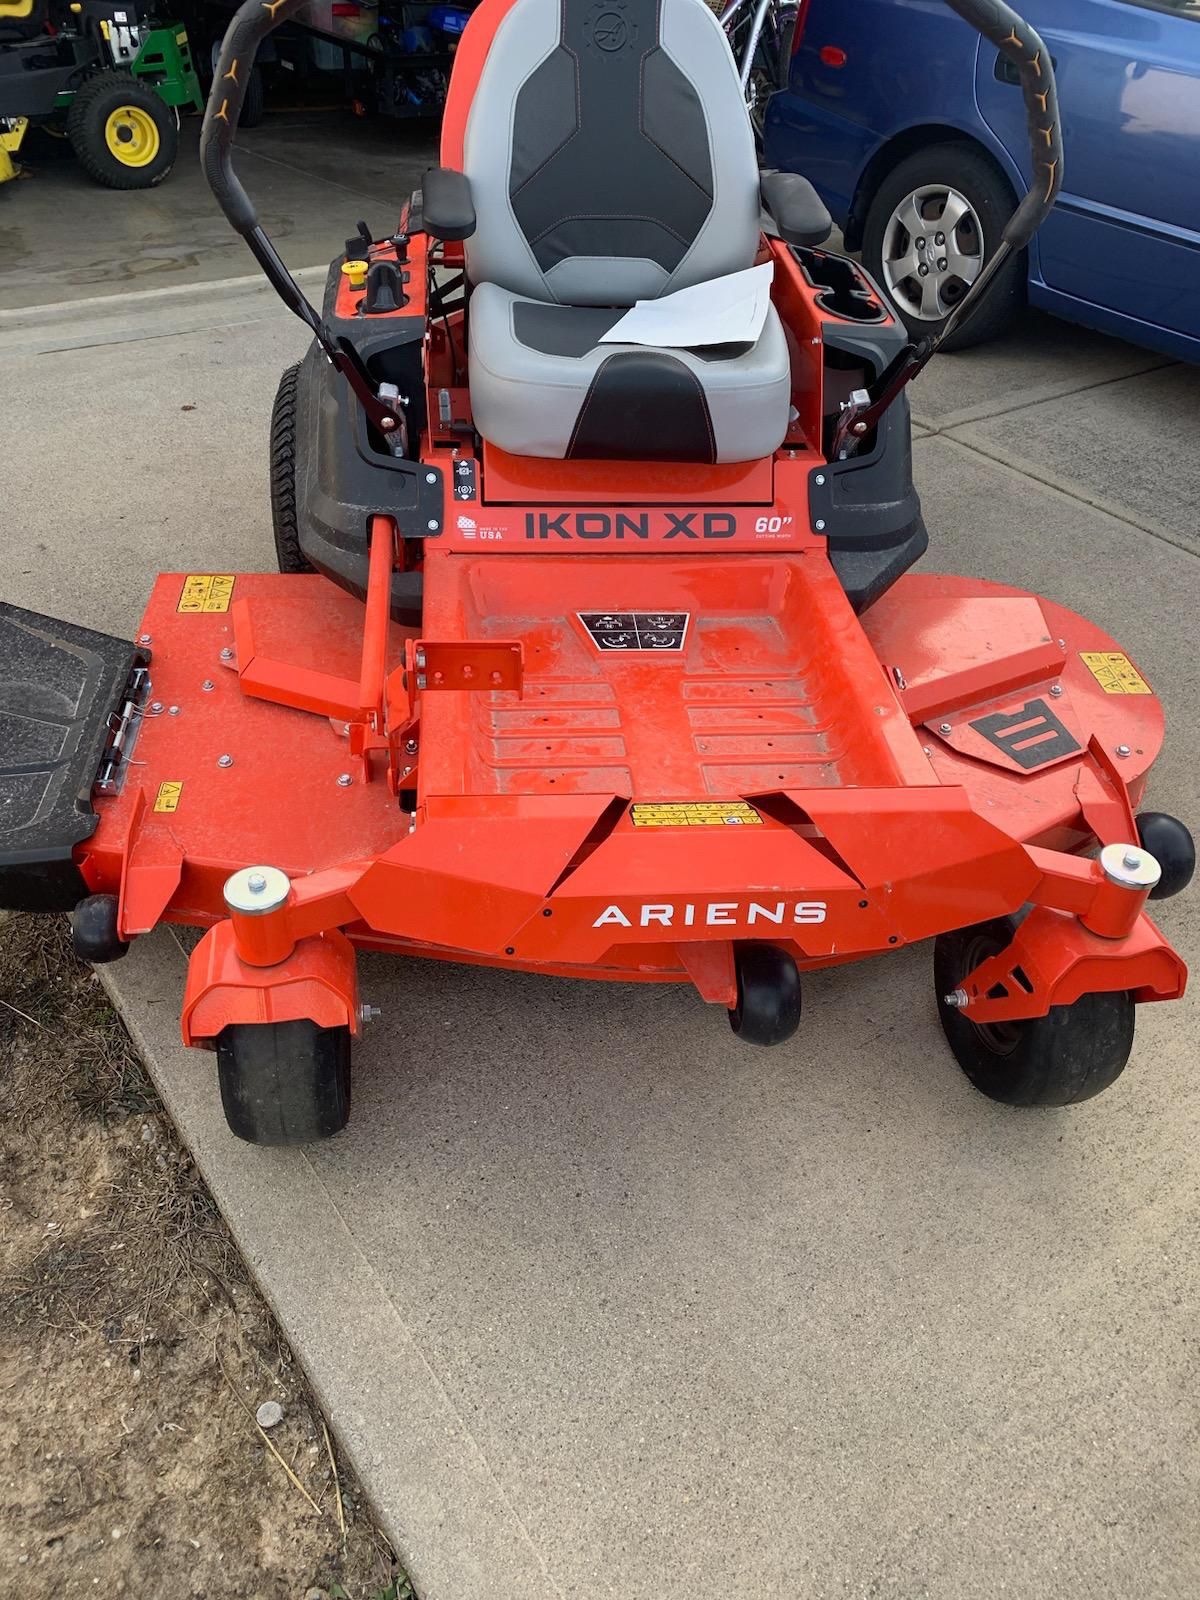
x=912 y=127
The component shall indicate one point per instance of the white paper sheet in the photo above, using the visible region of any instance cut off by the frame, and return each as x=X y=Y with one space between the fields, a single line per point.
x=728 y=310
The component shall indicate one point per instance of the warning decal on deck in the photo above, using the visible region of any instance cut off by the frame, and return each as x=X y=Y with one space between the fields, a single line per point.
x=206 y=591
x=167 y=798
x=1114 y=672
x=696 y=814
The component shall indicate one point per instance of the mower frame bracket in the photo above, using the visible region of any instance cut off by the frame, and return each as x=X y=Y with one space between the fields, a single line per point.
x=470 y=664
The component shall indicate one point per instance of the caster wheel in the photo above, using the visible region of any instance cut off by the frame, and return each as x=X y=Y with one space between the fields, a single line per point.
x=1172 y=846
x=94 y=930
x=284 y=1082
x=768 y=1002
x=1071 y=1054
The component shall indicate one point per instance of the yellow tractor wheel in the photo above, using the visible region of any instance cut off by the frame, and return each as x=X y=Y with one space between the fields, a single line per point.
x=123 y=135
x=131 y=136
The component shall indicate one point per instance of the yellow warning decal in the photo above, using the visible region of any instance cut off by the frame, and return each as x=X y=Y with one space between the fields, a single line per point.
x=167 y=798
x=206 y=591
x=1114 y=672
x=696 y=814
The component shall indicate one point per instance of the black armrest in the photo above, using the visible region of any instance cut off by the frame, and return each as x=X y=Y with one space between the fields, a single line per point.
x=795 y=208
x=447 y=210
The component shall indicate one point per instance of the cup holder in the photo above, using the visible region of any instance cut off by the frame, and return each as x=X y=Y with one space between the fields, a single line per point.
x=844 y=290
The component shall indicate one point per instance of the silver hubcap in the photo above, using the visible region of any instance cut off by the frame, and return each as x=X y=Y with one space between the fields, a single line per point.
x=932 y=251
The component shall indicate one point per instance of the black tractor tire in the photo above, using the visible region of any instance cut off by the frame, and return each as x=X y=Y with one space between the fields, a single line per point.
x=768 y=1003
x=104 y=96
x=961 y=166
x=254 y=106
x=284 y=1082
x=288 y=554
x=1071 y=1054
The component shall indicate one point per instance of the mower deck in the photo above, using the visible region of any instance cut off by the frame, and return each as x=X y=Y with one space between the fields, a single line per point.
x=754 y=771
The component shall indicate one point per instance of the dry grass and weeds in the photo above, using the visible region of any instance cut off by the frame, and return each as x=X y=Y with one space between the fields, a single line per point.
x=133 y=1348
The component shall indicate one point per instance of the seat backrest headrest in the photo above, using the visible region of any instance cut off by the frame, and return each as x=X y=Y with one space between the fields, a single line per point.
x=608 y=148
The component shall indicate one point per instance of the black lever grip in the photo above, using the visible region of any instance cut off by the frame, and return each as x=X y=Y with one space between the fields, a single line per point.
x=1023 y=46
x=250 y=26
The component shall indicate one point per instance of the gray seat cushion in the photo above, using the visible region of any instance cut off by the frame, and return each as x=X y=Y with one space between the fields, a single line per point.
x=541 y=385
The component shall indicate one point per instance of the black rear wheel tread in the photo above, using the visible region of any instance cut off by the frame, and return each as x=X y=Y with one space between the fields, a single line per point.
x=1073 y=1053
x=254 y=105
x=289 y=556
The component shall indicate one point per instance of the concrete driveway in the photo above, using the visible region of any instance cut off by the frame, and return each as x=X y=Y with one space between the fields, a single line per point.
x=312 y=175
x=602 y=1303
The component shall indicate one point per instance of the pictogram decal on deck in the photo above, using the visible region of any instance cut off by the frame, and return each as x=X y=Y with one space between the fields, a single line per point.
x=694 y=814
x=206 y=591
x=168 y=795
x=636 y=630
x=1114 y=672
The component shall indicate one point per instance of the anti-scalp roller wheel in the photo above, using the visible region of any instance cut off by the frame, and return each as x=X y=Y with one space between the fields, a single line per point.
x=768 y=1002
x=1172 y=846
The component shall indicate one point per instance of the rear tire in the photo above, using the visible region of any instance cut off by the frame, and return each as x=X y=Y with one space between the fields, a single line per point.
x=1071 y=1054
x=123 y=135
x=288 y=553
x=960 y=167
x=284 y=1082
x=254 y=106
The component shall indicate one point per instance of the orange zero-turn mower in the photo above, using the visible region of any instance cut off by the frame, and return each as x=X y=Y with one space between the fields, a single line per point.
x=595 y=658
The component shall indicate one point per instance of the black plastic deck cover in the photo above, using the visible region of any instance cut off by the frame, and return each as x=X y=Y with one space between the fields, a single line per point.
x=58 y=685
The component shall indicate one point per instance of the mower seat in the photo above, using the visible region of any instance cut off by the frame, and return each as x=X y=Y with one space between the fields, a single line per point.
x=610 y=158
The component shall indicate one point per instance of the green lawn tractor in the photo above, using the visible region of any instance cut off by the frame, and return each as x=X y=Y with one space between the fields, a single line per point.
x=108 y=77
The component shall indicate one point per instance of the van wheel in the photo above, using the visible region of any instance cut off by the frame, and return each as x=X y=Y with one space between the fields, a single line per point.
x=931 y=226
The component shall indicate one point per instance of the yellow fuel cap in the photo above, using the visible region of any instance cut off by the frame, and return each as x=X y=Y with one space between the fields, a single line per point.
x=356 y=271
